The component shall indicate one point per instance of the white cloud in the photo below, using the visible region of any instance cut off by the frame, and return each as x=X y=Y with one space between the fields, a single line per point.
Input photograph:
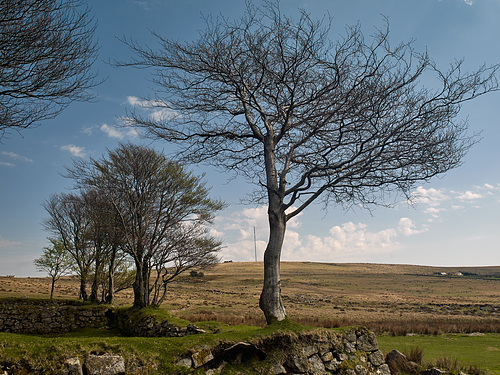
x=436 y=202
x=469 y=196
x=75 y=150
x=406 y=227
x=431 y=196
x=347 y=242
x=158 y=110
x=119 y=133
x=469 y=2
x=7 y=164
x=13 y=155
x=134 y=101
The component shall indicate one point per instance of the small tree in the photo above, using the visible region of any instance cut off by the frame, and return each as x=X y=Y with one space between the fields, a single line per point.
x=69 y=220
x=308 y=119
x=55 y=260
x=47 y=51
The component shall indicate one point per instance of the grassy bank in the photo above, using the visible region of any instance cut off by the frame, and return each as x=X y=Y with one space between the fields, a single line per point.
x=481 y=351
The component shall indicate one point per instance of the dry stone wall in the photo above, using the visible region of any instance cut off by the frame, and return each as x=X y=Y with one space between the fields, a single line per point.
x=39 y=316
x=354 y=352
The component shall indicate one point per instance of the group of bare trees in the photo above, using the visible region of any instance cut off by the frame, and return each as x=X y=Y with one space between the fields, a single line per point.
x=133 y=207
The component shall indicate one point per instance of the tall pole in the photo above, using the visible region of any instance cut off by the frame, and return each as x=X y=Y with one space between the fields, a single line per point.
x=255 y=243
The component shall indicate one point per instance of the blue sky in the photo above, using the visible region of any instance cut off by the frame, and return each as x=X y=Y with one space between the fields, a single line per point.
x=455 y=220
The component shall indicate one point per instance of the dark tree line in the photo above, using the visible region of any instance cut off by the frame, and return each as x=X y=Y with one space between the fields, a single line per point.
x=133 y=207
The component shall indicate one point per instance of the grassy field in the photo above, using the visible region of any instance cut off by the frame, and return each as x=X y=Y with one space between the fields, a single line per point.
x=476 y=350
x=437 y=309
x=391 y=299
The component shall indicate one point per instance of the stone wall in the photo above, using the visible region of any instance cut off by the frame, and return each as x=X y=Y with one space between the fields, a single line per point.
x=42 y=316
x=353 y=352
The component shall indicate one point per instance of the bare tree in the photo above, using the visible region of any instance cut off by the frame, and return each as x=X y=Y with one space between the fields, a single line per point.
x=152 y=197
x=55 y=260
x=308 y=119
x=189 y=246
x=47 y=51
x=69 y=221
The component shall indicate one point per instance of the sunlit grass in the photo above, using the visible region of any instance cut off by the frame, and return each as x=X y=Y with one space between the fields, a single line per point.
x=468 y=350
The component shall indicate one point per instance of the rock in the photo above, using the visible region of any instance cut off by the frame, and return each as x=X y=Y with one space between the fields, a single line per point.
x=72 y=366
x=367 y=342
x=377 y=358
x=243 y=352
x=309 y=350
x=192 y=329
x=383 y=370
x=332 y=365
x=435 y=371
x=297 y=364
x=185 y=362
x=277 y=369
x=397 y=361
x=316 y=366
x=350 y=347
x=202 y=356
x=327 y=357
x=361 y=370
x=104 y=364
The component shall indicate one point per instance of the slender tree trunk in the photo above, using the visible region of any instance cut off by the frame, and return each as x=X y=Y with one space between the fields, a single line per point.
x=110 y=295
x=95 y=283
x=52 y=288
x=270 y=299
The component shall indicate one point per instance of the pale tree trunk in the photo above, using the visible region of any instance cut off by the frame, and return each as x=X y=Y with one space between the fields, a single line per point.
x=270 y=299
x=110 y=295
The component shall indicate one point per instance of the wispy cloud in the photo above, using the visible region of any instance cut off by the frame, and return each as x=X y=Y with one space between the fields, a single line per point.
x=156 y=110
x=119 y=133
x=14 y=156
x=7 y=164
x=145 y=4
x=436 y=202
x=75 y=151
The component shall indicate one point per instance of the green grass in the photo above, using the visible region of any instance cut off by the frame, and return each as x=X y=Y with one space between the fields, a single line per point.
x=482 y=351
x=48 y=352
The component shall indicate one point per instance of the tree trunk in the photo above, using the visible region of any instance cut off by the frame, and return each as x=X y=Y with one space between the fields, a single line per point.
x=141 y=285
x=83 y=288
x=52 y=288
x=270 y=299
x=110 y=295
x=94 y=290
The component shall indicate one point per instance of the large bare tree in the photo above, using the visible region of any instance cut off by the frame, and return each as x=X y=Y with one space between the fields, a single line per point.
x=46 y=54
x=306 y=118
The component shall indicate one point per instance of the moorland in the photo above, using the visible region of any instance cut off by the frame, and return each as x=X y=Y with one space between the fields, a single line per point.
x=403 y=304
